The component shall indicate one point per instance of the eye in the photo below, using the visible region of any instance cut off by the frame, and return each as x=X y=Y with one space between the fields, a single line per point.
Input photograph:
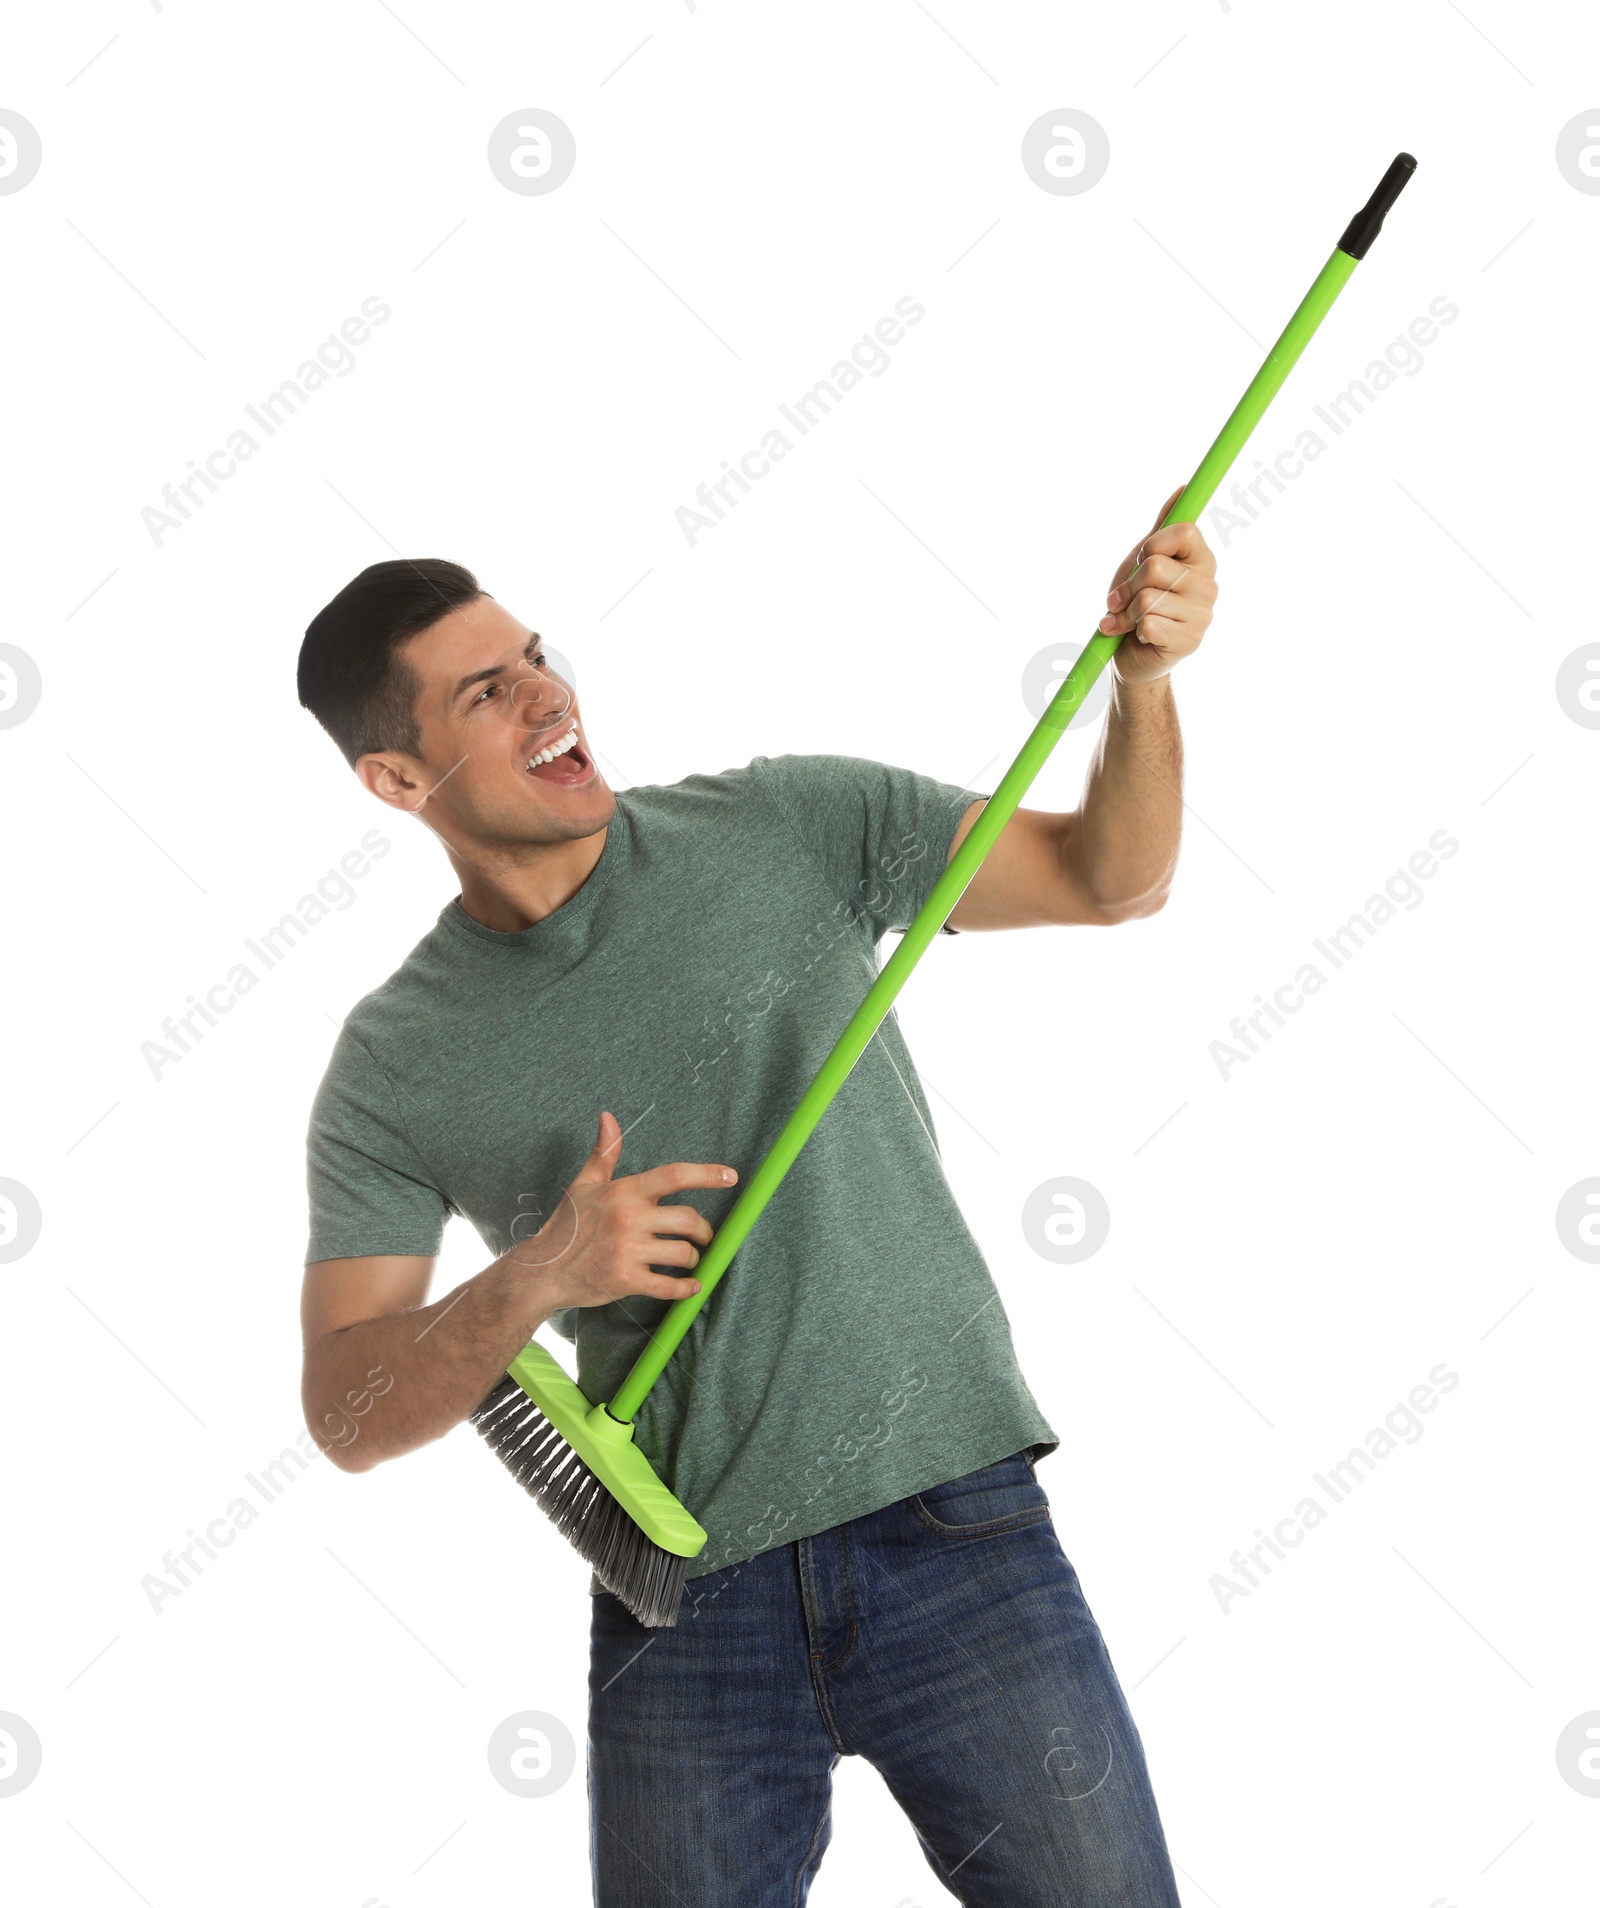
x=485 y=693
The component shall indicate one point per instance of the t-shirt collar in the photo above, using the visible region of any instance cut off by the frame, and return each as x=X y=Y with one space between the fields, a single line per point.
x=559 y=928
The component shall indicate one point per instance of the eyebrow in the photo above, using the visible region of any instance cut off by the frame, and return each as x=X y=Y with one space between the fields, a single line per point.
x=488 y=675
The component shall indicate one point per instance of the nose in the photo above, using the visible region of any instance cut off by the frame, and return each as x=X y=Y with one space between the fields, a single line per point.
x=536 y=701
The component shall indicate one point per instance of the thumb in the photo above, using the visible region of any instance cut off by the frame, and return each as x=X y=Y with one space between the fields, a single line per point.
x=1161 y=514
x=602 y=1160
x=1135 y=556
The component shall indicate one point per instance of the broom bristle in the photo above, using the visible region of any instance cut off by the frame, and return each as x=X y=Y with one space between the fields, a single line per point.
x=645 y=1578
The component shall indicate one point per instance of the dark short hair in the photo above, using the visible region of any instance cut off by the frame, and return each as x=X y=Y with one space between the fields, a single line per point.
x=351 y=675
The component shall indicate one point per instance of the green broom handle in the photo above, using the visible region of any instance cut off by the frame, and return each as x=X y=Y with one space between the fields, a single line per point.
x=981 y=837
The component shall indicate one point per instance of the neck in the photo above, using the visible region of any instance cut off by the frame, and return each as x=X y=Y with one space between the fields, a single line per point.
x=509 y=894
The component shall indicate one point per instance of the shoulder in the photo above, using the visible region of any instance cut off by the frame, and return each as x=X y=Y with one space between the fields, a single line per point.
x=798 y=776
x=788 y=794
x=830 y=790
x=417 y=985
x=707 y=796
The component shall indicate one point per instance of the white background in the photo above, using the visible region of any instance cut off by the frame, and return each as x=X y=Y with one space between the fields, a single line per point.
x=1295 y=1248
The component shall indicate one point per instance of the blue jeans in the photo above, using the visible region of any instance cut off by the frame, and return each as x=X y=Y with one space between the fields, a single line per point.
x=945 y=1639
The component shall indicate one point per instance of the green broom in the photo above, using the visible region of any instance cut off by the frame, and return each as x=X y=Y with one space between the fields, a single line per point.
x=577 y=1459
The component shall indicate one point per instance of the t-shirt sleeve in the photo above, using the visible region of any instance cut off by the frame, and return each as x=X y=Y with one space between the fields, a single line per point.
x=370 y=1191
x=880 y=835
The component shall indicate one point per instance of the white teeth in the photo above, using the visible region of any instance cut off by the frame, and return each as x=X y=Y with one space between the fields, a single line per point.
x=556 y=748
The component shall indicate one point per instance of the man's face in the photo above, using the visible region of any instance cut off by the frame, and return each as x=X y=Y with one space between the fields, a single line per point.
x=488 y=709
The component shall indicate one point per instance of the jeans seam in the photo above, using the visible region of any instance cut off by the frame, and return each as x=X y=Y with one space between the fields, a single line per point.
x=847 y=1587
x=990 y=1527
x=936 y=1860
x=803 y=1556
x=811 y=1846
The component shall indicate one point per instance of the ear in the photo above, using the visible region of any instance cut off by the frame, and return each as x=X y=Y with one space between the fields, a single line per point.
x=395 y=779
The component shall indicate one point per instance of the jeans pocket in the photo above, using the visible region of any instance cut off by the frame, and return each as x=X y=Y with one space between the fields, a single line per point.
x=1001 y=1497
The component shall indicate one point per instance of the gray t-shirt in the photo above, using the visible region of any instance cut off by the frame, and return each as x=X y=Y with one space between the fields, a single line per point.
x=856 y=1351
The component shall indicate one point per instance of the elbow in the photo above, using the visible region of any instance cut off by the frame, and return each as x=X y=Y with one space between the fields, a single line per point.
x=1106 y=889
x=1106 y=912
x=343 y=1448
x=342 y=1456
x=348 y=1458
x=347 y=1450
x=1151 y=903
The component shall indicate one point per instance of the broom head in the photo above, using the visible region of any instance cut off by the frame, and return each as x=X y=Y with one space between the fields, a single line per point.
x=582 y=1468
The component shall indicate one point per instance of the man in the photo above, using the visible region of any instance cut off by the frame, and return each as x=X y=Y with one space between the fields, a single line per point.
x=603 y=1032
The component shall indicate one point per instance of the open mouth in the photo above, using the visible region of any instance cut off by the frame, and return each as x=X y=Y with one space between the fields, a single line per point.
x=562 y=761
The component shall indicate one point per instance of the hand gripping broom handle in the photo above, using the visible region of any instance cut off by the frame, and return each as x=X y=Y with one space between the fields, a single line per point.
x=964 y=864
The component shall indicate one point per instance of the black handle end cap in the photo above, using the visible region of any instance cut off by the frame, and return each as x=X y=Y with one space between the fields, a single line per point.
x=1368 y=222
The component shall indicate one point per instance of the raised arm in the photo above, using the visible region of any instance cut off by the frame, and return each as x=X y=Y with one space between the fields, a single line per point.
x=1112 y=858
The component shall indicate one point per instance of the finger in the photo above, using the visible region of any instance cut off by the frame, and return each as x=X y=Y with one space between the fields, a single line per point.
x=1175 y=539
x=1166 y=634
x=1162 y=572
x=1183 y=541
x=681 y=1176
x=1186 y=600
x=1129 y=602
x=673 y=1252
x=1164 y=606
x=603 y=1156
x=1127 y=566
x=684 y=1219
x=658 y=1285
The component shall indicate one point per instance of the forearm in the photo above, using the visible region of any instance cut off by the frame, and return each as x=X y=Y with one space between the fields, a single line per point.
x=383 y=1387
x=1122 y=846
